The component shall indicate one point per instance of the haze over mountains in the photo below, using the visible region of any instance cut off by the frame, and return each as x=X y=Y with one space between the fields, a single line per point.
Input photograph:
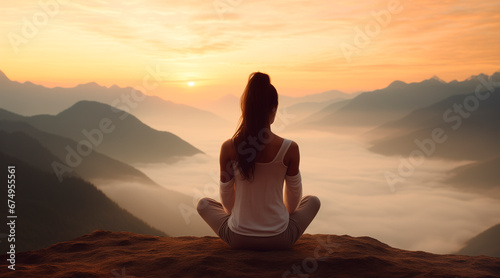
x=448 y=130
x=94 y=141
x=114 y=132
x=29 y=99
x=158 y=206
x=18 y=137
x=370 y=109
x=472 y=134
x=297 y=108
x=50 y=211
x=462 y=126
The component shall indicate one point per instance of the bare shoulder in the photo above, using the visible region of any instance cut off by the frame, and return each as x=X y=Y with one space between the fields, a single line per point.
x=292 y=156
x=227 y=156
x=227 y=149
x=294 y=146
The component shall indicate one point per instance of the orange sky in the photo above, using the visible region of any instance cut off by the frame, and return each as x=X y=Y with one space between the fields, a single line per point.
x=303 y=45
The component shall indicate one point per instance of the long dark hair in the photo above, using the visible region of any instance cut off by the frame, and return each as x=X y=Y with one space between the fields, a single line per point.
x=258 y=101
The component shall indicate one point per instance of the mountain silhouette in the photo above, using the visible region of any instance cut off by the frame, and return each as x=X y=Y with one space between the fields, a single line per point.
x=9 y=116
x=327 y=96
x=319 y=114
x=170 y=211
x=25 y=148
x=30 y=99
x=24 y=141
x=228 y=106
x=49 y=211
x=486 y=243
x=305 y=109
x=113 y=132
x=474 y=137
x=483 y=175
x=374 y=108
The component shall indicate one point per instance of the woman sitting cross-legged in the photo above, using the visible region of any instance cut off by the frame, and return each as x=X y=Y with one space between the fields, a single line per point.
x=254 y=165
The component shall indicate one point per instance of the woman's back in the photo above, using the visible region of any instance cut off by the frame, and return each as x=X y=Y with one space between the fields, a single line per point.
x=259 y=209
x=270 y=149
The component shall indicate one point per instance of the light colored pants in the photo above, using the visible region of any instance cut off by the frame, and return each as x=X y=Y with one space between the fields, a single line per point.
x=216 y=217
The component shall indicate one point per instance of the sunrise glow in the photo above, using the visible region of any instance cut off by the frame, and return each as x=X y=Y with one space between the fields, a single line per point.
x=306 y=47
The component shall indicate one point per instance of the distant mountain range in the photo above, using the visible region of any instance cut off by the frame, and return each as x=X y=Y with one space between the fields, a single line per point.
x=483 y=175
x=328 y=96
x=473 y=135
x=49 y=152
x=97 y=141
x=460 y=127
x=110 y=131
x=29 y=99
x=49 y=211
x=31 y=148
x=374 y=108
x=456 y=121
x=229 y=106
x=322 y=112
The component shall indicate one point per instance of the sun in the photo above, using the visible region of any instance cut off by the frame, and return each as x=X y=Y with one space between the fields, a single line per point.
x=191 y=83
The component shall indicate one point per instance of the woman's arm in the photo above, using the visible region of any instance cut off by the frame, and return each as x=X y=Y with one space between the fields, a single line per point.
x=293 y=189
x=292 y=159
x=227 y=194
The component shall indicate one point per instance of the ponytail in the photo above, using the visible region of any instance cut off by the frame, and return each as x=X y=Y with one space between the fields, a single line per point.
x=258 y=101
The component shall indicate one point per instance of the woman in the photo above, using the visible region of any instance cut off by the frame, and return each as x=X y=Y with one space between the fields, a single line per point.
x=254 y=163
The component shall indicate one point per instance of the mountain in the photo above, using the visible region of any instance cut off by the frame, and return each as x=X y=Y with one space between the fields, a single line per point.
x=125 y=254
x=486 y=243
x=323 y=111
x=31 y=99
x=171 y=212
x=377 y=107
x=113 y=132
x=483 y=175
x=174 y=117
x=327 y=96
x=42 y=150
x=229 y=108
x=462 y=134
x=23 y=147
x=311 y=110
x=9 y=116
x=49 y=211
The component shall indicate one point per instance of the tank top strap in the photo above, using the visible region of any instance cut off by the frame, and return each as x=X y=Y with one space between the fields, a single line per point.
x=283 y=149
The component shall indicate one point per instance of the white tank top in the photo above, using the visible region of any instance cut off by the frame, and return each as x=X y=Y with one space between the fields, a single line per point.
x=258 y=208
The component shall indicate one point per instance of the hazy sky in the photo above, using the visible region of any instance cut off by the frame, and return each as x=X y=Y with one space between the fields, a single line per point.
x=306 y=46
